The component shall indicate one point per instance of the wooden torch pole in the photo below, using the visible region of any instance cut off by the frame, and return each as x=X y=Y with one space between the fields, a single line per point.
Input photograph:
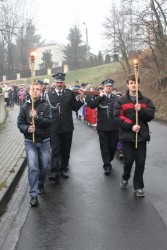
x=136 y=70
x=32 y=64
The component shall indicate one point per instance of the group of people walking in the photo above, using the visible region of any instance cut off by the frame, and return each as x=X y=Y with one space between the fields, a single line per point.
x=53 y=123
x=13 y=94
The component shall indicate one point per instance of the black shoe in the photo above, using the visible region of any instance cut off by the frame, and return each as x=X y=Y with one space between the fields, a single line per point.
x=123 y=183
x=121 y=156
x=40 y=189
x=139 y=192
x=34 y=201
x=64 y=174
x=107 y=171
x=54 y=177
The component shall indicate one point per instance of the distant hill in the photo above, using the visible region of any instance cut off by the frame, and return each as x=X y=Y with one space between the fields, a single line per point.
x=95 y=75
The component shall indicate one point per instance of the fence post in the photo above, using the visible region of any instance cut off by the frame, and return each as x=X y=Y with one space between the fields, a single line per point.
x=3 y=110
x=49 y=72
x=18 y=76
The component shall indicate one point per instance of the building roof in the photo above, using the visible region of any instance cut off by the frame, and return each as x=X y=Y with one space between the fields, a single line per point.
x=51 y=43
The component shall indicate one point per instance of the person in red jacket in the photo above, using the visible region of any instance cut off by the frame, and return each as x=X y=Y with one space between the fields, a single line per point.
x=90 y=114
x=125 y=116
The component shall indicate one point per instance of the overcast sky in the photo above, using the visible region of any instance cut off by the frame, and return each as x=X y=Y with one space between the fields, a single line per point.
x=55 y=18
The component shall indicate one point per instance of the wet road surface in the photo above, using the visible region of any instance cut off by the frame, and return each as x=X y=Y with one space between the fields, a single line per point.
x=89 y=211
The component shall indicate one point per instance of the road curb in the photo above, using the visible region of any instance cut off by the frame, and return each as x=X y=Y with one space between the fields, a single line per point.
x=11 y=183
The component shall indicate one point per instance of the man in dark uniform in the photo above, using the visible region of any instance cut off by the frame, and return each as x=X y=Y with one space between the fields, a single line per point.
x=106 y=127
x=62 y=102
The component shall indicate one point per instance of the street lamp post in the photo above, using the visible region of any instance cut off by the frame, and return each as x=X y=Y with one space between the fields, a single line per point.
x=87 y=44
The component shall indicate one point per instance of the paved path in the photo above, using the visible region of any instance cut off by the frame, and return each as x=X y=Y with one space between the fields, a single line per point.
x=12 y=157
x=89 y=211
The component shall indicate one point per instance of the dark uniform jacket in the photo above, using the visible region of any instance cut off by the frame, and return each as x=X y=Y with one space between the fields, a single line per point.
x=105 y=107
x=42 y=122
x=62 y=107
x=125 y=116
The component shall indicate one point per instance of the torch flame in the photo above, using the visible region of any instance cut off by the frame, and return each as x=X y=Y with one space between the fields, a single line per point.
x=32 y=56
x=135 y=61
x=33 y=53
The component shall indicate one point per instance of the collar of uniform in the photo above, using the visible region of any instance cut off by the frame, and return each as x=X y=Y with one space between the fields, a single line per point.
x=58 y=91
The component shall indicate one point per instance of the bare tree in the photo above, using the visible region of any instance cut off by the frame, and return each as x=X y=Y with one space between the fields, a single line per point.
x=140 y=26
x=26 y=41
x=119 y=31
x=151 y=20
x=14 y=18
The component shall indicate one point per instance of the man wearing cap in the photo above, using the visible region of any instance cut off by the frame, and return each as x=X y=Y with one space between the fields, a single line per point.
x=106 y=127
x=125 y=116
x=62 y=102
x=42 y=88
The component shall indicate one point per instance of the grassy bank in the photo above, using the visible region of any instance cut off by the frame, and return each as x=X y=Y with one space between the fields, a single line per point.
x=2 y=126
x=95 y=75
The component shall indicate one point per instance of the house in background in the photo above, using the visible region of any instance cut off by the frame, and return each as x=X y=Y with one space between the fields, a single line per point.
x=55 y=49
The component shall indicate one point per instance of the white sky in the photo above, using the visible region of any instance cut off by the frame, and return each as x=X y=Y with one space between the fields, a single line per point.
x=55 y=18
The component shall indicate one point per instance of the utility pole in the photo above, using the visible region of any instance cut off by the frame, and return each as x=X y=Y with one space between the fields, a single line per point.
x=87 y=43
x=114 y=24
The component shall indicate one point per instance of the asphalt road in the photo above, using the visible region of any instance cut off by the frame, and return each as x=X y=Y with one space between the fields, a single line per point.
x=89 y=211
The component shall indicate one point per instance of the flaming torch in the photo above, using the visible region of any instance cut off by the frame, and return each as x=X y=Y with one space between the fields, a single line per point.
x=32 y=64
x=136 y=71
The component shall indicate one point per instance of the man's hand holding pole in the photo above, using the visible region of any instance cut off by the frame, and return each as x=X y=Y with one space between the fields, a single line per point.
x=137 y=106
x=32 y=64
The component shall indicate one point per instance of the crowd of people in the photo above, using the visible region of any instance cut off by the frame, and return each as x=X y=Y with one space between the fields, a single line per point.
x=18 y=94
x=46 y=120
x=13 y=94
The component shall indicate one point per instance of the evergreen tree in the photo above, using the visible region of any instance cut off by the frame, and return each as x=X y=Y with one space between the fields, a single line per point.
x=91 y=61
x=75 y=52
x=100 y=60
x=107 y=59
x=47 y=62
x=26 y=42
x=95 y=61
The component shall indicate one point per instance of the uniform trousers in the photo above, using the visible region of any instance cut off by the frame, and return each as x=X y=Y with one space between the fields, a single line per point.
x=108 y=143
x=60 y=154
x=137 y=155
